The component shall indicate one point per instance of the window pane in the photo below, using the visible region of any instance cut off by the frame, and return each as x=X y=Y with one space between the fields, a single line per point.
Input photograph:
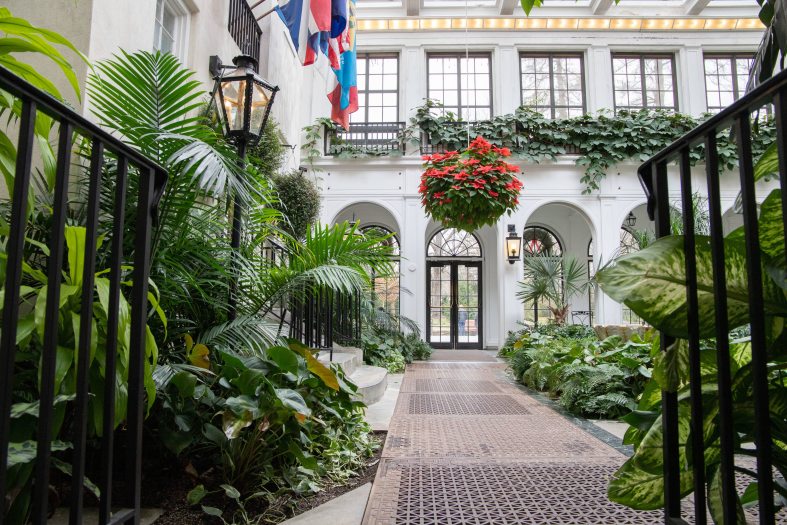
x=378 y=87
x=550 y=82
x=462 y=84
x=656 y=72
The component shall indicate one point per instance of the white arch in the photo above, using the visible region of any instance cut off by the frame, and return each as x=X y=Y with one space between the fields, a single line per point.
x=590 y=220
x=390 y=210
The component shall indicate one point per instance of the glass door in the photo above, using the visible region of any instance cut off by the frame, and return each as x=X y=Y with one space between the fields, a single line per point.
x=454 y=304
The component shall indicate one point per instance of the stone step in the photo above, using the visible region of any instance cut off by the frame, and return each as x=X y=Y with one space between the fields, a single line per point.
x=371 y=382
x=348 y=361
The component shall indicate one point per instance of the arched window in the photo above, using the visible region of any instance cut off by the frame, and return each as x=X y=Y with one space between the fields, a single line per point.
x=538 y=241
x=629 y=244
x=451 y=242
x=385 y=288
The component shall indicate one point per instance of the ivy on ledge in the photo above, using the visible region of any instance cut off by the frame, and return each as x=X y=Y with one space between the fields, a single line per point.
x=598 y=141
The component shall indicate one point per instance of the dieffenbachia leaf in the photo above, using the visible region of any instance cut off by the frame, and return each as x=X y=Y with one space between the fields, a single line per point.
x=652 y=282
x=639 y=483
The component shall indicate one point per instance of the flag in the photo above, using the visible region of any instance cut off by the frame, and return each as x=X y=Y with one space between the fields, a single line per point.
x=342 y=55
x=310 y=26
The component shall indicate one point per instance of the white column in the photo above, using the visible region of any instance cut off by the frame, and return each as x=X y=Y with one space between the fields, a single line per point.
x=412 y=79
x=506 y=80
x=413 y=267
x=606 y=246
x=691 y=81
x=511 y=310
x=598 y=79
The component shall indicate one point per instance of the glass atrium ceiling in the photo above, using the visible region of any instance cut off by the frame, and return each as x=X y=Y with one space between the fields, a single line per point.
x=737 y=10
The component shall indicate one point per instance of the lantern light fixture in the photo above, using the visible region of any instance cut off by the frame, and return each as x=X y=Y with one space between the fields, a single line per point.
x=513 y=245
x=242 y=100
x=631 y=220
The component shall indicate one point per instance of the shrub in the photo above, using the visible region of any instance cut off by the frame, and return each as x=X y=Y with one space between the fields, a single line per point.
x=392 y=349
x=299 y=201
x=591 y=377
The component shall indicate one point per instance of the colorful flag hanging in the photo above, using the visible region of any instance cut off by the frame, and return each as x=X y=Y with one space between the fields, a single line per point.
x=310 y=25
x=342 y=55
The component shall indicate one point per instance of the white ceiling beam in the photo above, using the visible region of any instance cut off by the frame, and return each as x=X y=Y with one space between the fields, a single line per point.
x=413 y=7
x=600 y=7
x=507 y=7
x=695 y=7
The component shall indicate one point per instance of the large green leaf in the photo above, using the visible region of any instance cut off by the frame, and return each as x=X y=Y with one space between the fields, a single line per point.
x=639 y=483
x=315 y=366
x=285 y=358
x=293 y=400
x=25 y=452
x=652 y=282
x=771 y=226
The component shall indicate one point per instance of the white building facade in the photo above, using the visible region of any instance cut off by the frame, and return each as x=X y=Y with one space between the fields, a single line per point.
x=481 y=58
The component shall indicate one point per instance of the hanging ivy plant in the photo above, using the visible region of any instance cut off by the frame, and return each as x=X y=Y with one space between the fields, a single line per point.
x=470 y=189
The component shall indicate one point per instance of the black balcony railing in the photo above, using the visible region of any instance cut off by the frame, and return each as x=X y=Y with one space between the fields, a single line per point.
x=366 y=138
x=148 y=188
x=731 y=414
x=245 y=29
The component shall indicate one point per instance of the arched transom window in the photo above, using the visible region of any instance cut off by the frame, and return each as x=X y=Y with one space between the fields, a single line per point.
x=451 y=242
x=540 y=241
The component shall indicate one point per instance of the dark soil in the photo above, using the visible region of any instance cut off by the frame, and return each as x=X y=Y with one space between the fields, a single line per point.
x=169 y=488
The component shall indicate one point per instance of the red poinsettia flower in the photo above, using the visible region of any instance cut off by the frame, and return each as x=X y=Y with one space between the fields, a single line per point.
x=493 y=189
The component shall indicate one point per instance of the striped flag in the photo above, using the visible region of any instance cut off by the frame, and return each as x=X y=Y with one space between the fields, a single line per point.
x=310 y=25
x=342 y=55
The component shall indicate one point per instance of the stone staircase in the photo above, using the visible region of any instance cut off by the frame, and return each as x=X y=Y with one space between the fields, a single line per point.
x=370 y=380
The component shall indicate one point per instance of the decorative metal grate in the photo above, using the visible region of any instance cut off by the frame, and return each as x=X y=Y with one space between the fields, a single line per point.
x=520 y=494
x=455 y=385
x=442 y=404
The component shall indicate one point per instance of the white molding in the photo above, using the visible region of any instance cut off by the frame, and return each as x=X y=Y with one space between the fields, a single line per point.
x=600 y=7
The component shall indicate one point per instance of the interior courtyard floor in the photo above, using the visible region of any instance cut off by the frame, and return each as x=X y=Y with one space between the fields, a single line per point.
x=467 y=446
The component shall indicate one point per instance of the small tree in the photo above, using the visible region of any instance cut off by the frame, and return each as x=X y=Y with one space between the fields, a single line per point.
x=553 y=279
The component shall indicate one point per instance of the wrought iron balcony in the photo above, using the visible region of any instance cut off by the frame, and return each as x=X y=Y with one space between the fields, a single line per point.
x=366 y=138
x=245 y=29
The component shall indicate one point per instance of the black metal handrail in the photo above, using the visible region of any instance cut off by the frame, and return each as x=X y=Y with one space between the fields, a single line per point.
x=653 y=176
x=366 y=138
x=245 y=29
x=152 y=180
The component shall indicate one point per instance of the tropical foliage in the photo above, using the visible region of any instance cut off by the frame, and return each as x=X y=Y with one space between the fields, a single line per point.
x=588 y=377
x=652 y=282
x=297 y=199
x=390 y=348
x=553 y=281
x=470 y=189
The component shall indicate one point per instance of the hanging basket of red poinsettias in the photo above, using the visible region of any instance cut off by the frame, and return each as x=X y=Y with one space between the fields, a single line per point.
x=470 y=189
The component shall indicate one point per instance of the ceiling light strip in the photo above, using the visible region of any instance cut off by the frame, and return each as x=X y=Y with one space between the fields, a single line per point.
x=562 y=24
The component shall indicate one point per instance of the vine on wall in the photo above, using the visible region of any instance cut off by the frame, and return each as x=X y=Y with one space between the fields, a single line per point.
x=599 y=141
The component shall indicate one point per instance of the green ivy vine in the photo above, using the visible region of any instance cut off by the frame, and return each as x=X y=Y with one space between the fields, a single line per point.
x=598 y=141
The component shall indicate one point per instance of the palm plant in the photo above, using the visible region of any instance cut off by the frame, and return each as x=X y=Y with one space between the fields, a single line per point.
x=554 y=280
x=155 y=105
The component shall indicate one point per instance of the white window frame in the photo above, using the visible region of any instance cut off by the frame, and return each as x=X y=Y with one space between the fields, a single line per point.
x=181 y=30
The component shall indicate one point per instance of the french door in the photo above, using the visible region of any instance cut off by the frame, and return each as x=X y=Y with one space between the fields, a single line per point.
x=453 y=304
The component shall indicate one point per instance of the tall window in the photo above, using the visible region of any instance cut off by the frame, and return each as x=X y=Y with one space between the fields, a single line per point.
x=540 y=242
x=386 y=287
x=725 y=79
x=171 y=28
x=378 y=88
x=644 y=81
x=462 y=84
x=552 y=84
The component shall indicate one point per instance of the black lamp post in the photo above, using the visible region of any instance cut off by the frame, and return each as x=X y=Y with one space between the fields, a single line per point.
x=243 y=101
x=631 y=220
x=513 y=245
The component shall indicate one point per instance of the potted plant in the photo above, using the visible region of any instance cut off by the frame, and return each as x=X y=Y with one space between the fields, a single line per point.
x=470 y=189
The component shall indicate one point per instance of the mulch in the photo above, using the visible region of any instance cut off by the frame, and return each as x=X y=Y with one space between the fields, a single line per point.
x=168 y=491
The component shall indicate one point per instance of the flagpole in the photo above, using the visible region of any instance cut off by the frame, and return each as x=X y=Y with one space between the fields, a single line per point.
x=265 y=13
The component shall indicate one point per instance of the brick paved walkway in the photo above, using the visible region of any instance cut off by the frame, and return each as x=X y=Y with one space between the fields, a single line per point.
x=465 y=446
